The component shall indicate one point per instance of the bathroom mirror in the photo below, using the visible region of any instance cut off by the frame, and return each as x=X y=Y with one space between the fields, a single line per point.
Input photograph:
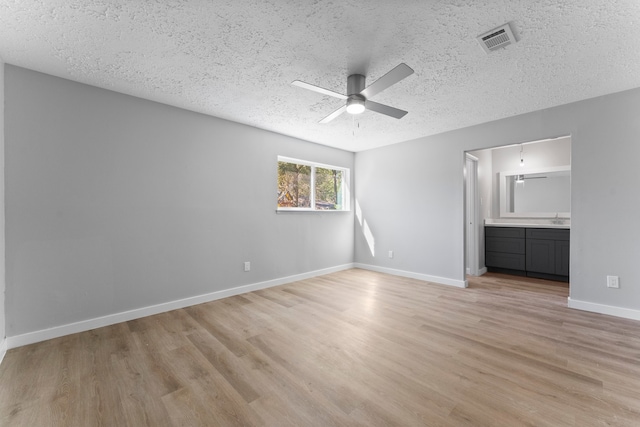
x=536 y=193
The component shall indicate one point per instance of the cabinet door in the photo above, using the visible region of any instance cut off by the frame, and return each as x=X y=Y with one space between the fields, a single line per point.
x=562 y=258
x=541 y=256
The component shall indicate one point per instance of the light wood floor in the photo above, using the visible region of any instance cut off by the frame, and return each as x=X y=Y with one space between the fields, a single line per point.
x=355 y=348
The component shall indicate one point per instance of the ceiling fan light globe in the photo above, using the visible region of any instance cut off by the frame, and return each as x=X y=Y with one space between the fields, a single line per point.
x=355 y=109
x=355 y=106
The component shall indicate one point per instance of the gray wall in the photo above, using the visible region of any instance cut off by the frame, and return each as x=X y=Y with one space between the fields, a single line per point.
x=2 y=240
x=412 y=195
x=115 y=203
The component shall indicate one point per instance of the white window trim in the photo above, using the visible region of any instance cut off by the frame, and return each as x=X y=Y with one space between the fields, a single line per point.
x=346 y=190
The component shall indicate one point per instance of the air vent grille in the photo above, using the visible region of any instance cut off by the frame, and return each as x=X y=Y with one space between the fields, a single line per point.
x=497 y=38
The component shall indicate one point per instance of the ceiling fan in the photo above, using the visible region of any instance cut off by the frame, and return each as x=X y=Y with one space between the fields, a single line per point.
x=357 y=96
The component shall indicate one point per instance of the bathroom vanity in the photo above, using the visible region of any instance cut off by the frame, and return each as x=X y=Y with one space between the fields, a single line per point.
x=533 y=250
x=531 y=236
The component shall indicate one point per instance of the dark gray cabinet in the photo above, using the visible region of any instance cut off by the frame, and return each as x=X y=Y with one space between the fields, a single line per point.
x=562 y=258
x=505 y=248
x=547 y=253
x=541 y=256
x=534 y=252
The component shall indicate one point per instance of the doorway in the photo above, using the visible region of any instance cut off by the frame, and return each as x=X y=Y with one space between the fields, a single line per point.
x=485 y=172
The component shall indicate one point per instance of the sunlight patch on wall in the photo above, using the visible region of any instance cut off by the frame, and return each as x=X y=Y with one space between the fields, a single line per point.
x=359 y=213
x=366 y=231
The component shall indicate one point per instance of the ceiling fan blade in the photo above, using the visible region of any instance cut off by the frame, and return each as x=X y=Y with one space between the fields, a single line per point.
x=392 y=77
x=385 y=109
x=334 y=114
x=318 y=89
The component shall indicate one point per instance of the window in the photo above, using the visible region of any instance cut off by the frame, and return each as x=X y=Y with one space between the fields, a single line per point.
x=309 y=186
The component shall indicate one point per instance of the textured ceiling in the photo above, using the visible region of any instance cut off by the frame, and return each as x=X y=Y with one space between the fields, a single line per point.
x=236 y=59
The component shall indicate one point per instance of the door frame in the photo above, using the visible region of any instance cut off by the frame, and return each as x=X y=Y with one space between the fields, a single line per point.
x=471 y=217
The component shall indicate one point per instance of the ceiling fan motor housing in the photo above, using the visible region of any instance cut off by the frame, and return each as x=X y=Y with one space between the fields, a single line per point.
x=355 y=84
x=355 y=102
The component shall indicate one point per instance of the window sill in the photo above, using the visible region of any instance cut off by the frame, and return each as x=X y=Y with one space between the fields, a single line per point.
x=294 y=210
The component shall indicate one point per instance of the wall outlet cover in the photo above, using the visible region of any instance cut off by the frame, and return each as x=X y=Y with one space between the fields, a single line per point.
x=613 y=282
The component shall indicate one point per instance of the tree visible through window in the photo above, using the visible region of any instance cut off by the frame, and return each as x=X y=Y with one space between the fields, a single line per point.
x=328 y=185
x=309 y=186
x=294 y=185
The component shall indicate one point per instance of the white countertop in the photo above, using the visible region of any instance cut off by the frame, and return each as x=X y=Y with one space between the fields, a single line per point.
x=526 y=223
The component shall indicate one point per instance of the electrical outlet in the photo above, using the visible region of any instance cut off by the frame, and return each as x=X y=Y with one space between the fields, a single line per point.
x=390 y=254
x=247 y=266
x=613 y=282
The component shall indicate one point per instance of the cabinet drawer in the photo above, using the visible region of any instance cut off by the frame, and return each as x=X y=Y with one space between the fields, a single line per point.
x=503 y=260
x=513 y=232
x=505 y=244
x=547 y=233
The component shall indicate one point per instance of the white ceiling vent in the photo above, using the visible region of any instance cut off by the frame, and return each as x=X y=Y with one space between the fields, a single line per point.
x=495 y=39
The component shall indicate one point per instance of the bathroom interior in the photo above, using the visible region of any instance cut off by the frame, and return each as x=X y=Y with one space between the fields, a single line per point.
x=518 y=210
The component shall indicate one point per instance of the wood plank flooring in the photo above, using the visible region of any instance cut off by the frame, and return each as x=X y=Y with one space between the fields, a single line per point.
x=354 y=348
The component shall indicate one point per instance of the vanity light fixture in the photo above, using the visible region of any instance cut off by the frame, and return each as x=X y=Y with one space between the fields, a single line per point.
x=521 y=158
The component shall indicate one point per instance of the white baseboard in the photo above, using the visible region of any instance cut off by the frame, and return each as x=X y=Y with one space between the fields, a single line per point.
x=627 y=313
x=111 y=319
x=412 y=275
x=481 y=271
x=3 y=349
